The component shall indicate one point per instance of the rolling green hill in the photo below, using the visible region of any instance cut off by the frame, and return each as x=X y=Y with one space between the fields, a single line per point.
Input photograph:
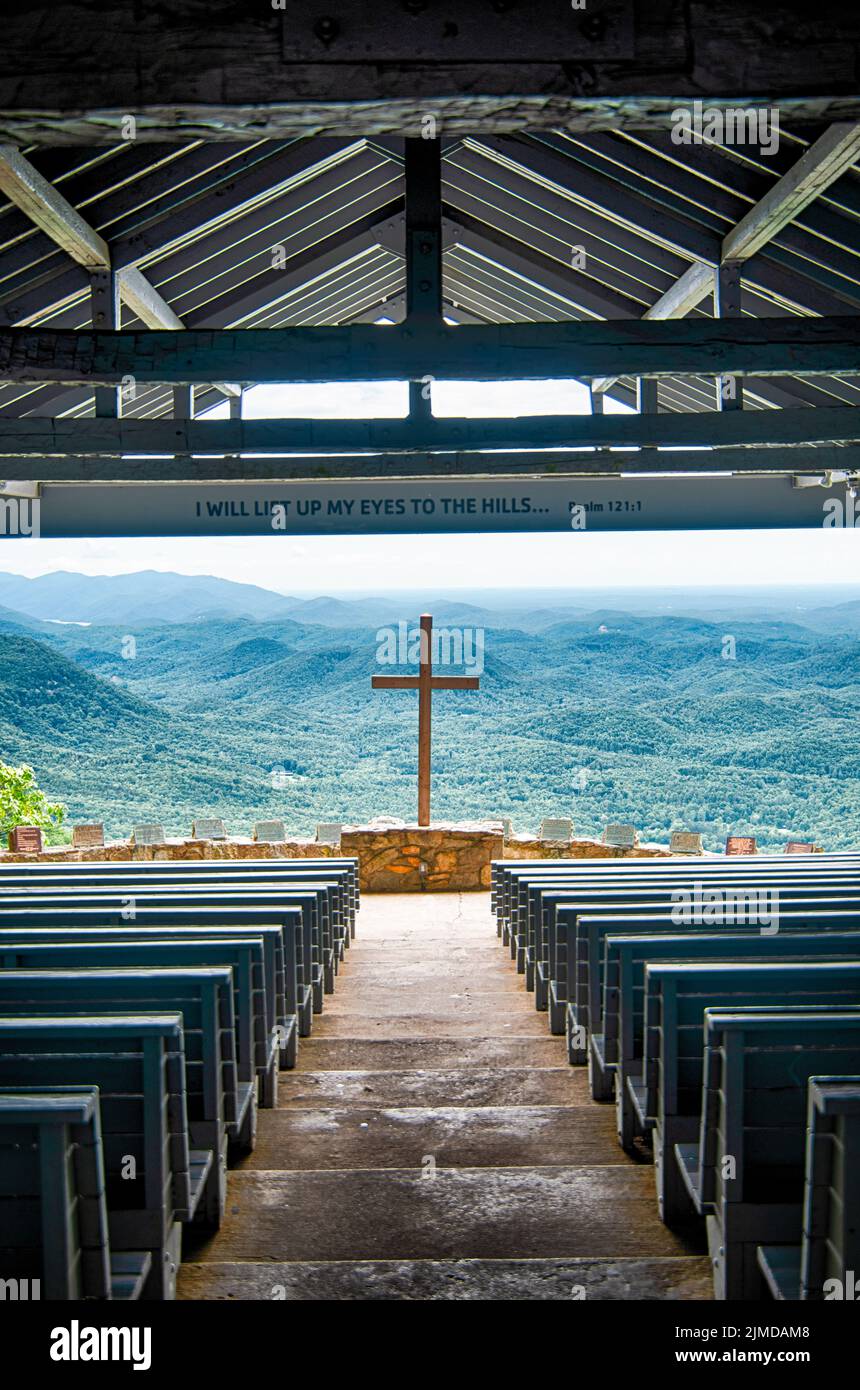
x=602 y=715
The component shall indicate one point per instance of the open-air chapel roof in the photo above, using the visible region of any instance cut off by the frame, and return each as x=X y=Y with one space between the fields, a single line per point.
x=657 y=199
x=543 y=227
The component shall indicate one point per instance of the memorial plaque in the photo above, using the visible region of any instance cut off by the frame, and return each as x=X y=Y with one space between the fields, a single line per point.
x=148 y=835
x=329 y=833
x=560 y=830
x=270 y=832
x=801 y=847
x=88 y=836
x=212 y=829
x=25 y=839
x=621 y=836
x=685 y=842
x=741 y=844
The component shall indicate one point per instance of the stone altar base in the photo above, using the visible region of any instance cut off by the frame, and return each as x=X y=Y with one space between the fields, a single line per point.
x=440 y=858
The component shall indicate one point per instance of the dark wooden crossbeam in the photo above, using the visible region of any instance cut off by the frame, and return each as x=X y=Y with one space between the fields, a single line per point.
x=491 y=352
x=229 y=72
x=37 y=435
x=73 y=468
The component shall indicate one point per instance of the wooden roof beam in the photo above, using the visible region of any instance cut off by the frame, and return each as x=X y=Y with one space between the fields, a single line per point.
x=733 y=431
x=831 y=156
x=46 y=207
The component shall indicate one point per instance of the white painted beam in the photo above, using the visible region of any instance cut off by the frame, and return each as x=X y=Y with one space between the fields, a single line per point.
x=144 y=300
x=831 y=156
x=29 y=190
x=46 y=207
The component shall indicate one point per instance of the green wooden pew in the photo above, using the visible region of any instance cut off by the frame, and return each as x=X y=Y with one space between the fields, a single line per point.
x=668 y=1100
x=557 y=909
x=314 y=958
x=627 y=874
x=53 y=1210
x=543 y=901
x=256 y=1046
x=616 y=1051
x=344 y=872
x=748 y=1175
x=552 y=909
x=336 y=921
x=538 y=895
x=72 y=916
x=270 y=938
x=586 y=951
x=131 y=900
x=825 y=1265
x=339 y=869
x=219 y=1105
x=136 y=1063
x=505 y=874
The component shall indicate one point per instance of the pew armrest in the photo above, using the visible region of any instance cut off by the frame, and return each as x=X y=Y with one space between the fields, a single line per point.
x=129 y=1271
x=687 y=1158
x=780 y=1265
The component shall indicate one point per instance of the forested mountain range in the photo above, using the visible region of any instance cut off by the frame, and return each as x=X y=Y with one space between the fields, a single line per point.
x=159 y=697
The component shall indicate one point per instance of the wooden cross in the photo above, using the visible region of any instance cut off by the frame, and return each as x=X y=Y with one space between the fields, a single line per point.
x=425 y=683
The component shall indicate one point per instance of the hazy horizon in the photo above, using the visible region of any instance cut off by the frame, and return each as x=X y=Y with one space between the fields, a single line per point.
x=512 y=595
x=533 y=562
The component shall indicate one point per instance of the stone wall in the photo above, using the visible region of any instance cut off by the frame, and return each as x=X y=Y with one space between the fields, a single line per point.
x=393 y=857
x=522 y=847
x=233 y=848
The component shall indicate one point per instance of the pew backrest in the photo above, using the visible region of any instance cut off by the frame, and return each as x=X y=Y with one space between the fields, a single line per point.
x=676 y=997
x=53 y=1211
x=830 y=1254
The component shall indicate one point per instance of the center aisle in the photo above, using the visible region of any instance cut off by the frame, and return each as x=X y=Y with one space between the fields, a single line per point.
x=434 y=1143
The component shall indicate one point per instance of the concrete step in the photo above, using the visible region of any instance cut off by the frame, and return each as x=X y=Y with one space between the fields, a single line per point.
x=457 y=1136
x=302 y=1090
x=353 y=1022
x=319 y=1053
x=392 y=1214
x=659 y=1278
x=389 y=974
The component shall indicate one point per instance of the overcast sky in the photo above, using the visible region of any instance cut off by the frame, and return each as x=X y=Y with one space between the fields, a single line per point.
x=323 y=565
x=372 y=563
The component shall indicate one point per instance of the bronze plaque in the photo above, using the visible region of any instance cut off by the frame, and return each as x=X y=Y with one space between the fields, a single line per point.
x=800 y=847
x=88 y=836
x=270 y=832
x=148 y=835
x=25 y=839
x=741 y=844
x=212 y=829
x=685 y=842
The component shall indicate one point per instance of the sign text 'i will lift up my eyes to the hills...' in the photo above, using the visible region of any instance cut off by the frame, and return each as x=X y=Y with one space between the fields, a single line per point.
x=412 y=507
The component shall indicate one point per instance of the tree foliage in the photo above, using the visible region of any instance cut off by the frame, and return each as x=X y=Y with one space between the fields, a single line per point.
x=22 y=802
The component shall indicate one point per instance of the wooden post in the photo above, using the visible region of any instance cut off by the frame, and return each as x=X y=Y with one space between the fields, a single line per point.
x=104 y=298
x=727 y=303
x=424 y=719
x=423 y=169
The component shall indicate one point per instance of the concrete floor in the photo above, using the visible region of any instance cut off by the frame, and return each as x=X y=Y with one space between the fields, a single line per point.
x=434 y=1143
